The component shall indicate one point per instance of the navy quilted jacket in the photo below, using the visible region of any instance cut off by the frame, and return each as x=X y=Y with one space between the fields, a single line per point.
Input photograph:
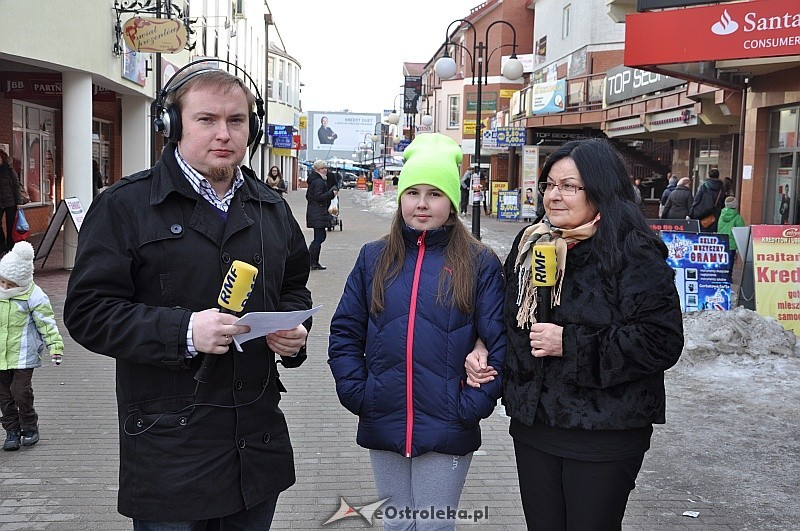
x=402 y=371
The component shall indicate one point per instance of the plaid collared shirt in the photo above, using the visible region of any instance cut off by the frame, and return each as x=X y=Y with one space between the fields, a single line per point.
x=204 y=188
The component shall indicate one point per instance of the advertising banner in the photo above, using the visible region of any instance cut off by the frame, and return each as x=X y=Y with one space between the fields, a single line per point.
x=674 y=225
x=776 y=266
x=412 y=89
x=155 y=35
x=339 y=131
x=378 y=187
x=497 y=187
x=549 y=97
x=508 y=205
x=43 y=86
x=702 y=269
x=530 y=174
x=489 y=138
x=623 y=83
x=510 y=136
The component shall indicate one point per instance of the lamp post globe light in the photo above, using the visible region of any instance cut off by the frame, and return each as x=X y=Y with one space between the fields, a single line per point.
x=427 y=120
x=445 y=67
x=394 y=116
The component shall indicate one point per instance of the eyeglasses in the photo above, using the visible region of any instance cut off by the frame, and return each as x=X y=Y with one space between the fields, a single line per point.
x=565 y=189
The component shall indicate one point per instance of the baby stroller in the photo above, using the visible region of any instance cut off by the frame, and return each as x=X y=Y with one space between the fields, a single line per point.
x=333 y=211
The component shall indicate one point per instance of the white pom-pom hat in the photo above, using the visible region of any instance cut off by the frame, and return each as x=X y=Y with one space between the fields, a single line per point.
x=17 y=264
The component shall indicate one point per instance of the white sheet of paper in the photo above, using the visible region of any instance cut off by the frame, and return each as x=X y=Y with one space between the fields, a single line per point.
x=263 y=323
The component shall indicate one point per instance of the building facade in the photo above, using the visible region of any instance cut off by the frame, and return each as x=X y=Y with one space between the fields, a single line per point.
x=74 y=94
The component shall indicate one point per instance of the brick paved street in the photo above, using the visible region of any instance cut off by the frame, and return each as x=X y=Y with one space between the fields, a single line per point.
x=69 y=480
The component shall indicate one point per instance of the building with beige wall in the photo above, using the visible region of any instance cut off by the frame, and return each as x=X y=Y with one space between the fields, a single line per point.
x=74 y=94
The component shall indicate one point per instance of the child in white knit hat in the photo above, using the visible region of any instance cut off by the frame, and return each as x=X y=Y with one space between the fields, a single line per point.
x=27 y=323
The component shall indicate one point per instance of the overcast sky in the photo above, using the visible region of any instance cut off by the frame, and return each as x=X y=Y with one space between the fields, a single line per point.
x=352 y=52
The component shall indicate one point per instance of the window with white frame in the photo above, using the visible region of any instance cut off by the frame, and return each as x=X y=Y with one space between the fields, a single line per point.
x=270 y=77
x=565 y=21
x=33 y=150
x=281 y=80
x=453 y=111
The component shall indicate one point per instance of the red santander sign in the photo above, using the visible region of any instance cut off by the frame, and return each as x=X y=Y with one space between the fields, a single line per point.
x=744 y=30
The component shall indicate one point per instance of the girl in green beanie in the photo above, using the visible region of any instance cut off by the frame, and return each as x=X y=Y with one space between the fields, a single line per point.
x=412 y=309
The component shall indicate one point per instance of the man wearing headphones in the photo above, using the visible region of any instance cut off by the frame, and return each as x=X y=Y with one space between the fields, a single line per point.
x=152 y=255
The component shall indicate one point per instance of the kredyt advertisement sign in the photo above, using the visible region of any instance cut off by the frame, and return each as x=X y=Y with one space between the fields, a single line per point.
x=776 y=266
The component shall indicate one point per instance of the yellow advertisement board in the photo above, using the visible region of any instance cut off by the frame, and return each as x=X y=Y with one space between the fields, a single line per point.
x=776 y=266
x=497 y=186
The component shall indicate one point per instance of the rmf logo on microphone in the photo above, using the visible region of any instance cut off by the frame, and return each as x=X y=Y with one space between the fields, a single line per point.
x=544 y=265
x=238 y=285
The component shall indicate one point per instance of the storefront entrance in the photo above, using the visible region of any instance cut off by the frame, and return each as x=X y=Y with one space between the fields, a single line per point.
x=781 y=200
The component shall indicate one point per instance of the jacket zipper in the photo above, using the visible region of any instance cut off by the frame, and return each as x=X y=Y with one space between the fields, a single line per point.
x=410 y=346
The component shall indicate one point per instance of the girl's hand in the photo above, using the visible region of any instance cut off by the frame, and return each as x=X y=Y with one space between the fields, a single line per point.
x=478 y=371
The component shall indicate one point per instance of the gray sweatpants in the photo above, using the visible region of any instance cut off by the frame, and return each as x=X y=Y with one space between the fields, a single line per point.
x=415 y=485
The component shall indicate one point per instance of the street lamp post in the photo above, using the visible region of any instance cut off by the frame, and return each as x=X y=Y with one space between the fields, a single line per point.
x=381 y=138
x=445 y=68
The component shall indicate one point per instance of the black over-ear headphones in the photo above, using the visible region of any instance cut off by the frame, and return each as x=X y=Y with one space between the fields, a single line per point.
x=167 y=118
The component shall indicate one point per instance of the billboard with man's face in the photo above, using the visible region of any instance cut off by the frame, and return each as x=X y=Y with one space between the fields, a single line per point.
x=342 y=132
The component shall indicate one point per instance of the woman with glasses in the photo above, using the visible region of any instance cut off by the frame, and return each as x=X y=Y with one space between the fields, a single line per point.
x=584 y=388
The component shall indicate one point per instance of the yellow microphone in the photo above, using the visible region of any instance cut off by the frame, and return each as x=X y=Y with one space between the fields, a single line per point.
x=236 y=289
x=543 y=269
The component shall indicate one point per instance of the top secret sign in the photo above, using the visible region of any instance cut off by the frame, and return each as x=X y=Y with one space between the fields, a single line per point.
x=623 y=83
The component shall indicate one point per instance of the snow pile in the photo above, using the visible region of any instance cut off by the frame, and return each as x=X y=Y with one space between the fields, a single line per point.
x=741 y=335
x=384 y=205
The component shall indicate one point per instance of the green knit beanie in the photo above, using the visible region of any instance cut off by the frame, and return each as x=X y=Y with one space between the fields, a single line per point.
x=432 y=159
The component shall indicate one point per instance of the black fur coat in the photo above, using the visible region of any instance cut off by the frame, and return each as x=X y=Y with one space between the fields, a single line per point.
x=620 y=334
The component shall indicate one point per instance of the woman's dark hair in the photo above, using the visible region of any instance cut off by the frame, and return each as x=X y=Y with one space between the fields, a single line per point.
x=605 y=177
x=275 y=168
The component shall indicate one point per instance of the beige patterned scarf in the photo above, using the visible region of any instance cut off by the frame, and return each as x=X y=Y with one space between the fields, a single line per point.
x=526 y=291
x=273 y=182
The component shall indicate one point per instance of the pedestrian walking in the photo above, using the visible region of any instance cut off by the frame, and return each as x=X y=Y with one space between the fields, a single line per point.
x=275 y=180
x=10 y=199
x=708 y=202
x=672 y=183
x=679 y=202
x=412 y=308
x=319 y=195
x=28 y=323
x=466 y=188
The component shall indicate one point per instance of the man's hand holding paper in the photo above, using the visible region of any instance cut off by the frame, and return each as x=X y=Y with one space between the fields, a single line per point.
x=284 y=331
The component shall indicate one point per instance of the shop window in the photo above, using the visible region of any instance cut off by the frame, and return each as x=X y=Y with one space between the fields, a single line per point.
x=781 y=205
x=784 y=129
x=101 y=147
x=33 y=150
